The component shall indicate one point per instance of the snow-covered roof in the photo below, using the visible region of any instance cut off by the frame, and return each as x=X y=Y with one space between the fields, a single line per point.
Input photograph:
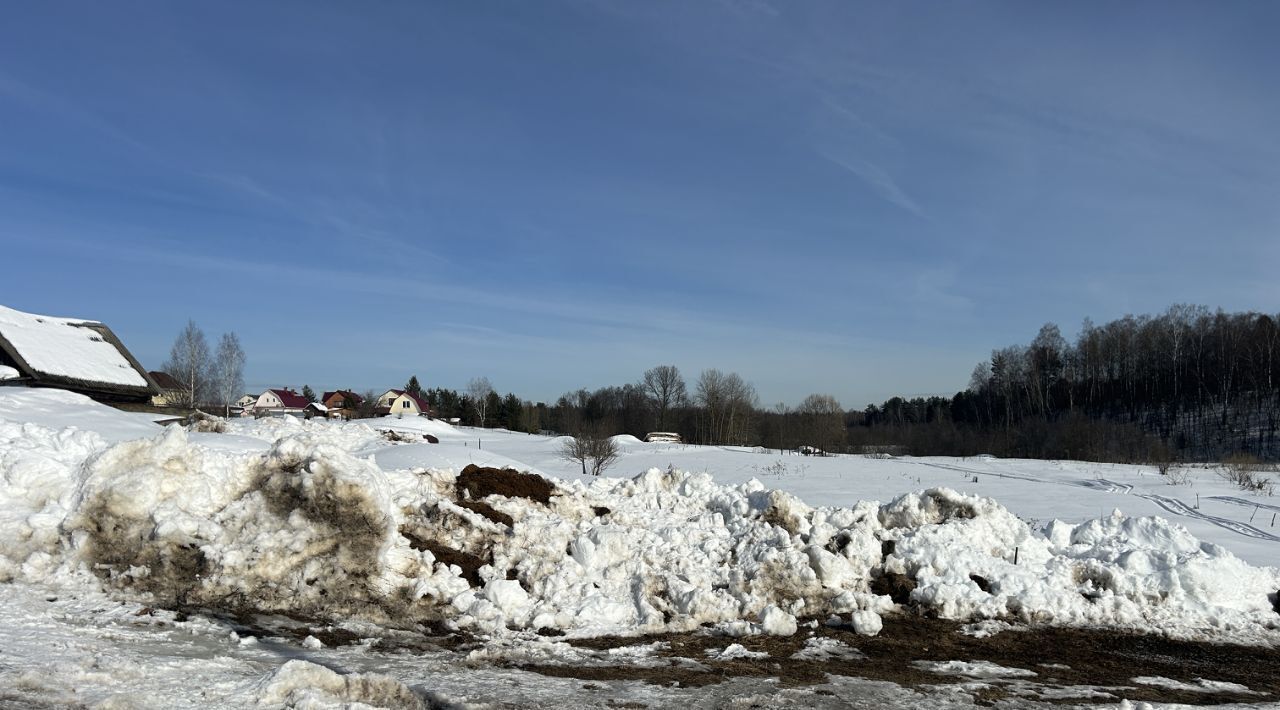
x=9 y=373
x=68 y=351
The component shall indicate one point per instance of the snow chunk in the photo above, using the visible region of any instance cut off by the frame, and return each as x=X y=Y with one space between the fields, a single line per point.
x=301 y=684
x=734 y=651
x=1199 y=686
x=821 y=648
x=776 y=622
x=973 y=669
x=866 y=623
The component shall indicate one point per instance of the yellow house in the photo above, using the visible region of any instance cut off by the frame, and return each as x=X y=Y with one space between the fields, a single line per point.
x=401 y=403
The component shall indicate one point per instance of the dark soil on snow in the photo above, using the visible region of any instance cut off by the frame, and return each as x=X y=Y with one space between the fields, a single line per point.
x=469 y=564
x=479 y=482
x=1097 y=664
x=486 y=510
x=1106 y=661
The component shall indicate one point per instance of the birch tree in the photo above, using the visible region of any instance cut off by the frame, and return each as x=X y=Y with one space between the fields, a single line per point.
x=478 y=390
x=228 y=371
x=189 y=364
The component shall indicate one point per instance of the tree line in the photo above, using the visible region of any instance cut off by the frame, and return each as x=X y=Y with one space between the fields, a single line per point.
x=1187 y=384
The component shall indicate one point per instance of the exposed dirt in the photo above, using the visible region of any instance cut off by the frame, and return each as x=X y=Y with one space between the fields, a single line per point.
x=897 y=587
x=118 y=544
x=1095 y=659
x=487 y=511
x=404 y=437
x=479 y=482
x=469 y=564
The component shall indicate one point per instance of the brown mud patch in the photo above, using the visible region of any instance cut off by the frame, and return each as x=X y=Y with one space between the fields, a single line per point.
x=479 y=482
x=485 y=510
x=403 y=437
x=1087 y=659
x=469 y=564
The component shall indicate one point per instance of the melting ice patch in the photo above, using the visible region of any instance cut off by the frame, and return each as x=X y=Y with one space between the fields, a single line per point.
x=1199 y=686
x=973 y=669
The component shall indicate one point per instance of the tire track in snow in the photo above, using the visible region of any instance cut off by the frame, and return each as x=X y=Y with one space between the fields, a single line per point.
x=1177 y=507
x=1102 y=484
x=976 y=472
x=1098 y=484
x=1170 y=505
x=1245 y=503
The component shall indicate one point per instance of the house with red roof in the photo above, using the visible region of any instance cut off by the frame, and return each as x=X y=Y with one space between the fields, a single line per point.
x=280 y=401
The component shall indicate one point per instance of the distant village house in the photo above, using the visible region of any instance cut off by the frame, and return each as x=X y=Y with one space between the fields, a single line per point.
x=280 y=401
x=401 y=403
x=341 y=404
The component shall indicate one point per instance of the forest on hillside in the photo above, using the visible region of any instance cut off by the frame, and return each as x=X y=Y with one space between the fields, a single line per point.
x=1188 y=384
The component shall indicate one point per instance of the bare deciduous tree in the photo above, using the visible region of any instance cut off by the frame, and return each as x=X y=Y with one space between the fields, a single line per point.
x=823 y=421
x=228 y=371
x=604 y=453
x=478 y=391
x=189 y=364
x=599 y=449
x=664 y=385
x=728 y=403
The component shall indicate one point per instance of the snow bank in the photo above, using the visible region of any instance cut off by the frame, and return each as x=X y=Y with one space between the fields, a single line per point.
x=59 y=409
x=66 y=347
x=323 y=525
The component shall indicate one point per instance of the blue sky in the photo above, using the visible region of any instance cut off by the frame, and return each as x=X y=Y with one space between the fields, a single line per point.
x=855 y=198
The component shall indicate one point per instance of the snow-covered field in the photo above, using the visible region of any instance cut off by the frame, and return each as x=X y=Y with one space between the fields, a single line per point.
x=131 y=556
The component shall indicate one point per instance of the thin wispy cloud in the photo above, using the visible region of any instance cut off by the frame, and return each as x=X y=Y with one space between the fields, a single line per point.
x=810 y=193
x=878 y=180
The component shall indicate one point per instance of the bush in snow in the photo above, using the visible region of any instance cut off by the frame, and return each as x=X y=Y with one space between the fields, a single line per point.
x=600 y=450
x=1248 y=473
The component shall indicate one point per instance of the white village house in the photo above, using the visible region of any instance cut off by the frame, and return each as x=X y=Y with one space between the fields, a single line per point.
x=280 y=401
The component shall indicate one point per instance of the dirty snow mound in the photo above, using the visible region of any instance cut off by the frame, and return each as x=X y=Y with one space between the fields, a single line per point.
x=315 y=527
x=306 y=529
x=301 y=684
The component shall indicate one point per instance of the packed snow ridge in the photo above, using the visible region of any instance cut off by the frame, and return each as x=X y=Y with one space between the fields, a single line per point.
x=305 y=522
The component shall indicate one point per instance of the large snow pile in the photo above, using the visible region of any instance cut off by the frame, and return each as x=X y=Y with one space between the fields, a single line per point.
x=313 y=526
x=67 y=347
